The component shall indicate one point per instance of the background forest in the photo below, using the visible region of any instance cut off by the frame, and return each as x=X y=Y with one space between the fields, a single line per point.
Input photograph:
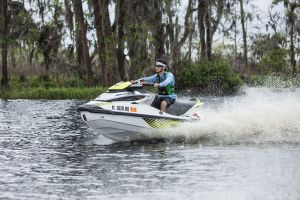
x=79 y=43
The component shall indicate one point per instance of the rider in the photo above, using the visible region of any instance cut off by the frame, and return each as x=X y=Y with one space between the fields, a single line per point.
x=164 y=81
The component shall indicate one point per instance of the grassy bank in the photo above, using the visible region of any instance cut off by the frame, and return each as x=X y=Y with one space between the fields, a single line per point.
x=52 y=93
x=52 y=87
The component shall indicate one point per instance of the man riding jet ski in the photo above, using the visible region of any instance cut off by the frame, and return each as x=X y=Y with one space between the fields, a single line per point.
x=127 y=112
x=164 y=82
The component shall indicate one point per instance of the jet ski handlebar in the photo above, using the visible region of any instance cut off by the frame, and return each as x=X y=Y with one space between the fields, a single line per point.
x=145 y=83
x=142 y=83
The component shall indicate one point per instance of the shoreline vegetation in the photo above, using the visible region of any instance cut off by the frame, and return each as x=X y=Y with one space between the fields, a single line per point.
x=52 y=93
x=36 y=88
x=49 y=87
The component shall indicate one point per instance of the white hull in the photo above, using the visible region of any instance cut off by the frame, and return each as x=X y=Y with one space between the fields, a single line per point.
x=120 y=128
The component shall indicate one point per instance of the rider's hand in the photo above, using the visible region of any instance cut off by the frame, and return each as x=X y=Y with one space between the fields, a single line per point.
x=156 y=85
x=132 y=81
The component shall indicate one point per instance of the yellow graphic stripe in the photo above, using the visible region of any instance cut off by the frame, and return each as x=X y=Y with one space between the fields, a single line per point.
x=198 y=103
x=161 y=123
x=103 y=103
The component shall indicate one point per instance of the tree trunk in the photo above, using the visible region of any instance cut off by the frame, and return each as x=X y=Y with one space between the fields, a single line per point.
x=100 y=41
x=292 y=46
x=190 y=44
x=208 y=24
x=158 y=31
x=170 y=31
x=244 y=33
x=79 y=52
x=175 y=42
x=144 y=60
x=120 y=49
x=176 y=47
x=4 y=42
x=113 y=72
x=132 y=46
x=86 y=57
x=201 y=19
x=208 y=29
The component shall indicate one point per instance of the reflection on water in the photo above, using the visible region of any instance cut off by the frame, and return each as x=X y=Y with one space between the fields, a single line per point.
x=47 y=152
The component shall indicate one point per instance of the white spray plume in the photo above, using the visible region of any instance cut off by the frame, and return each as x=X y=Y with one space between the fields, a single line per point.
x=259 y=115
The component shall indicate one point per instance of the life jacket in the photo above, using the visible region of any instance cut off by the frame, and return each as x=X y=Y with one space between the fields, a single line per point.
x=169 y=89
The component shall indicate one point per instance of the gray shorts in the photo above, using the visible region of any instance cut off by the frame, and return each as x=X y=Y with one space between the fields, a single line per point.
x=158 y=100
x=169 y=101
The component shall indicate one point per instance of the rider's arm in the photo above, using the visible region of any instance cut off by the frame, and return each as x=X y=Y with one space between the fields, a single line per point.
x=149 y=79
x=169 y=79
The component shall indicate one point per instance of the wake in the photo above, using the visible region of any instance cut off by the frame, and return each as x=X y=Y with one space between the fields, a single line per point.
x=258 y=115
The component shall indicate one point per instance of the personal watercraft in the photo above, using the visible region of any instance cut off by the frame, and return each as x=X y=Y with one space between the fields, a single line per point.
x=127 y=112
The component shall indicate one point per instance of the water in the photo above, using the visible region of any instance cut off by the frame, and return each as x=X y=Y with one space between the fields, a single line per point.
x=247 y=147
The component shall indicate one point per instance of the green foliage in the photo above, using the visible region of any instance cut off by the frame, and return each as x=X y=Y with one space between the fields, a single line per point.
x=43 y=87
x=264 y=43
x=48 y=81
x=52 y=93
x=270 y=51
x=274 y=81
x=274 y=61
x=276 y=1
x=22 y=27
x=208 y=77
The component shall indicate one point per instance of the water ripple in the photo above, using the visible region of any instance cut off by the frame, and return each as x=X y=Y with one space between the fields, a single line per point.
x=47 y=152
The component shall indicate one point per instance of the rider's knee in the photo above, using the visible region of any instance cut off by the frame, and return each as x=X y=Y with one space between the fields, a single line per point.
x=163 y=103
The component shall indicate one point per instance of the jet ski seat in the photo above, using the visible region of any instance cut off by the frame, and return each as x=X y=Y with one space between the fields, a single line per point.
x=180 y=107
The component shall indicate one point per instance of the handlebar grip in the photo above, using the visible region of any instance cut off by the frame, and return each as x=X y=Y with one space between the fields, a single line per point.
x=148 y=84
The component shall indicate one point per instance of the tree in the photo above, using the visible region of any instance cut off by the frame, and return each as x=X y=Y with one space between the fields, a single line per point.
x=245 y=47
x=270 y=52
x=201 y=26
x=274 y=20
x=138 y=32
x=208 y=24
x=291 y=6
x=109 y=42
x=263 y=43
x=158 y=29
x=100 y=40
x=4 y=20
x=121 y=14
x=83 y=39
x=174 y=32
x=273 y=61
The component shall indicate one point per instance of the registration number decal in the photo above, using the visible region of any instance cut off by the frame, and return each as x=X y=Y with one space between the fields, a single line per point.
x=124 y=108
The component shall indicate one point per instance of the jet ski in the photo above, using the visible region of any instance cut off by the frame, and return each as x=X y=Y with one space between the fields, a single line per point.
x=127 y=112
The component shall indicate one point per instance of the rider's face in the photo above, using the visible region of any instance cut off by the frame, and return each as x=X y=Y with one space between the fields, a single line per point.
x=158 y=69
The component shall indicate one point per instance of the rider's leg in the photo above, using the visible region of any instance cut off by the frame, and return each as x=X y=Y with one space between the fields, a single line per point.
x=163 y=106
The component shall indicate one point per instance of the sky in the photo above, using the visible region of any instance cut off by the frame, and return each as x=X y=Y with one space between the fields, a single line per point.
x=264 y=5
x=262 y=8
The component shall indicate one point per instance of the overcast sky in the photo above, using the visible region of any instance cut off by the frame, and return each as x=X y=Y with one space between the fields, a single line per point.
x=262 y=9
x=264 y=5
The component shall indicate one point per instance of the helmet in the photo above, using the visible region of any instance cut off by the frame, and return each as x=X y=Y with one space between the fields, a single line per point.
x=161 y=63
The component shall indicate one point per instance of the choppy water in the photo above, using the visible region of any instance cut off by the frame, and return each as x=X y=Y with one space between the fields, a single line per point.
x=247 y=147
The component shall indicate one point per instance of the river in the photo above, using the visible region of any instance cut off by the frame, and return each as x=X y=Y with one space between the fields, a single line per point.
x=246 y=147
